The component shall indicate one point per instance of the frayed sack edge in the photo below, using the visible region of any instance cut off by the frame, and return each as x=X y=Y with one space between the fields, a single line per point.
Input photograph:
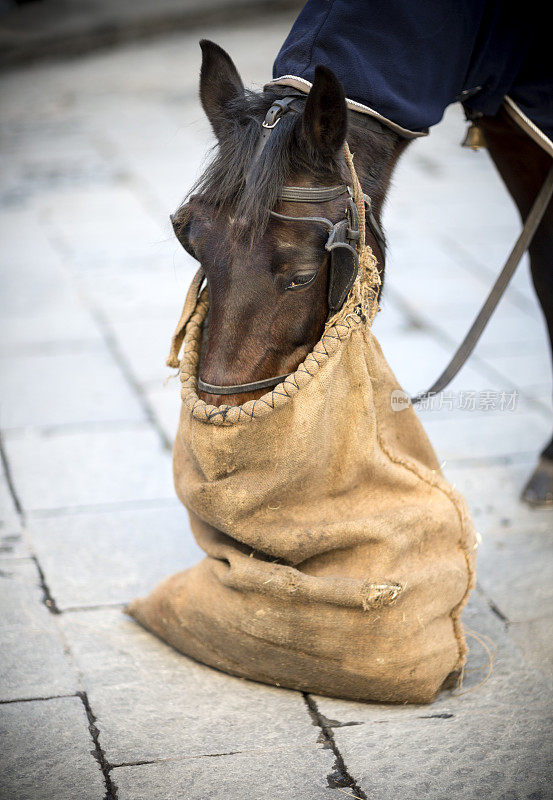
x=225 y=415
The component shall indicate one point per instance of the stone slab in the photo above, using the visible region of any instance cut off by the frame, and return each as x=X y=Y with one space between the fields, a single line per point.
x=83 y=468
x=46 y=752
x=453 y=405
x=523 y=368
x=279 y=773
x=542 y=393
x=165 y=402
x=32 y=658
x=493 y=496
x=8 y=511
x=534 y=638
x=39 y=305
x=490 y=754
x=31 y=269
x=417 y=358
x=145 y=344
x=52 y=322
x=154 y=703
x=484 y=255
x=442 y=292
x=440 y=286
x=390 y=321
x=499 y=435
x=112 y=556
x=128 y=231
x=155 y=288
x=12 y=543
x=66 y=389
x=508 y=328
x=454 y=202
x=37 y=170
x=515 y=570
x=482 y=740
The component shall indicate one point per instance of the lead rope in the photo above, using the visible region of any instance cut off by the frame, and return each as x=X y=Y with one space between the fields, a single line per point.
x=365 y=290
x=498 y=289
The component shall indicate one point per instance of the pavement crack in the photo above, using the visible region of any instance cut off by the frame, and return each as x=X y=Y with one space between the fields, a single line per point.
x=334 y=723
x=127 y=372
x=103 y=508
x=110 y=340
x=492 y=606
x=436 y=716
x=97 y=607
x=36 y=699
x=47 y=597
x=9 y=481
x=339 y=778
x=495 y=610
x=170 y=759
x=142 y=763
x=97 y=752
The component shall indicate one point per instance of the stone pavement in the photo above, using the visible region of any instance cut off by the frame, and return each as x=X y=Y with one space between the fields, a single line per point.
x=96 y=153
x=53 y=28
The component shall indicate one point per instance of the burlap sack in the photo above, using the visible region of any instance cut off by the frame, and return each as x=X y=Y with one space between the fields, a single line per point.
x=338 y=557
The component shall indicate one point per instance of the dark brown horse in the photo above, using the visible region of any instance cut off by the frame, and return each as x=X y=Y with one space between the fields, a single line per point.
x=268 y=278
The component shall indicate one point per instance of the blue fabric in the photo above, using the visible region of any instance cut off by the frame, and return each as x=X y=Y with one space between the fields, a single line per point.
x=409 y=59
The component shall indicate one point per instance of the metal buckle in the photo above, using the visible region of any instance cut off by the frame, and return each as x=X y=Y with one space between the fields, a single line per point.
x=277 y=120
x=353 y=232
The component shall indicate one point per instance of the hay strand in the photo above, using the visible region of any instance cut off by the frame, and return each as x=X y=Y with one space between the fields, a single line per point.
x=491 y=651
x=363 y=297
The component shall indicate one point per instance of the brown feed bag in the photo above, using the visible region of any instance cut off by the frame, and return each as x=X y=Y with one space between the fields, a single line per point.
x=338 y=558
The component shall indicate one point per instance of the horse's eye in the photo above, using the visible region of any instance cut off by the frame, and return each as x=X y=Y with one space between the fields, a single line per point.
x=301 y=279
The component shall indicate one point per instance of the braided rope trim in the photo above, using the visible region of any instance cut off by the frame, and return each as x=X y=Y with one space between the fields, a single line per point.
x=331 y=341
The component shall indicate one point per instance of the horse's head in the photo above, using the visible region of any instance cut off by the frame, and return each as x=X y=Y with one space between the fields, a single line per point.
x=267 y=278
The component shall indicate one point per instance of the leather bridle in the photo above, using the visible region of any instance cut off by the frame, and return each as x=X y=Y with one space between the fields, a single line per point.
x=341 y=242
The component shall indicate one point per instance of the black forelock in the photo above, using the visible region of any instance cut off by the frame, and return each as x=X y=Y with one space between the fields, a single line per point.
x=287 y=153
x=223 y=183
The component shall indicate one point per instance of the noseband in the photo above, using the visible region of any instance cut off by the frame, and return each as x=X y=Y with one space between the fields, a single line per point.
x=341 y=242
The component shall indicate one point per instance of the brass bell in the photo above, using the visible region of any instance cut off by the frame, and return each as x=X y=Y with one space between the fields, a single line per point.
x=474 y=137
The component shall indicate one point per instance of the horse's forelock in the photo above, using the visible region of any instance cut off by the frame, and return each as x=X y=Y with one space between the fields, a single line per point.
x=223 y=183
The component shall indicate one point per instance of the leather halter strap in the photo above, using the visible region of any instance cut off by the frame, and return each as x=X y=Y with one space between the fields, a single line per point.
x=311 y=194
x=289 y=218
x=240 y=388
x=307 y=194
x=272 y=118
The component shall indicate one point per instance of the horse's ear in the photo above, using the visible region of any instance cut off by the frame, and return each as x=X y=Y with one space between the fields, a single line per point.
x=325 y=118
x=219 y=83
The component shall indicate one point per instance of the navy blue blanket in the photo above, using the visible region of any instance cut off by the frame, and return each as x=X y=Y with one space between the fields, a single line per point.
x=409 y=59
